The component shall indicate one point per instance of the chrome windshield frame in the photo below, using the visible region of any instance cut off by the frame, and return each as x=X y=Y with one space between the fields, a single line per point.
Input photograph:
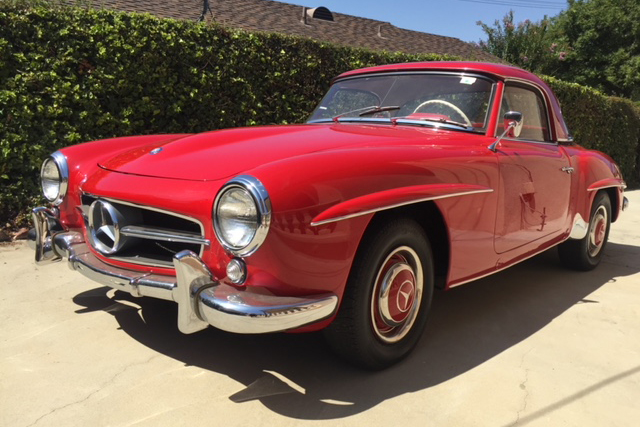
x=393 y=121
x=399 y=121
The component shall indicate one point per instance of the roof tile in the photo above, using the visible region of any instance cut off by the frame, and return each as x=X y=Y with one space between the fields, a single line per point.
x=279 y=17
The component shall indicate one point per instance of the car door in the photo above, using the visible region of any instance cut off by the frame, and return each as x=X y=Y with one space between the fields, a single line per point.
x=535 y=181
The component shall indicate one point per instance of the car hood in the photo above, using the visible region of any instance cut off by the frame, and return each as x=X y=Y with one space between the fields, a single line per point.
x=221 y=154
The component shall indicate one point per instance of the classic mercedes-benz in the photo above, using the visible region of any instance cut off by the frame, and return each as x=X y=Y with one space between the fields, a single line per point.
x=406 y=178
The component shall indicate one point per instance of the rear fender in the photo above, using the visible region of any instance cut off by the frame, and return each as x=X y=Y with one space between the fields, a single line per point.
x=597 y=172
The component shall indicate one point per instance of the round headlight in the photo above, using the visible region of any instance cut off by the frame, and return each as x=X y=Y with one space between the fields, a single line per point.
x=54 y=177
x=241 y=215
x=238 y=217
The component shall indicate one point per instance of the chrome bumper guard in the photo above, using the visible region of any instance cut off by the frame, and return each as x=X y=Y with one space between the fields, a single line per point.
x=202 y=300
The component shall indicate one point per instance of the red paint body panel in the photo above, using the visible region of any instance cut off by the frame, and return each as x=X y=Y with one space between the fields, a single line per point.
x=508 y=204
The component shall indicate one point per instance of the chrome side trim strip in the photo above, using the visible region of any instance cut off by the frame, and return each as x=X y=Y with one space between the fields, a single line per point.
x=156 y=233
x=602 y=187
x=505 y=266
x=397 y=205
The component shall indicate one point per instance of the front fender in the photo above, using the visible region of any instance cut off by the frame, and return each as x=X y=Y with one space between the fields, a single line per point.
x=323 y=203
x=396 y=197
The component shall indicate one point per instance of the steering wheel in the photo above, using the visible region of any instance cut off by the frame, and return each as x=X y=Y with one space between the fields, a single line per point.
x=447 y=104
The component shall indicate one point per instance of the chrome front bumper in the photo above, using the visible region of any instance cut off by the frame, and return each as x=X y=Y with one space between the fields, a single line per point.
x=202 y=300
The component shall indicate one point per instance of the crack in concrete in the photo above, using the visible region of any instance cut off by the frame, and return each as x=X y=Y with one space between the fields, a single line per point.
x=102 y=386
x=523 y=386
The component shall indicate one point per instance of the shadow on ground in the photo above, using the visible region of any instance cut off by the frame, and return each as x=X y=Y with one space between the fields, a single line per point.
x=297 y=376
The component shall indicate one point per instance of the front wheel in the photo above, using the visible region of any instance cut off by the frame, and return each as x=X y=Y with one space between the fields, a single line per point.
x=387 y=298
x=585 y=254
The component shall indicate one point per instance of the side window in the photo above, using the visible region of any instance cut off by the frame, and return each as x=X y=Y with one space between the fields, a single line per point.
x=534 y=114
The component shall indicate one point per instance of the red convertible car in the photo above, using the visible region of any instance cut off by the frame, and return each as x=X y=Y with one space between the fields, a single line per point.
x=406 y=178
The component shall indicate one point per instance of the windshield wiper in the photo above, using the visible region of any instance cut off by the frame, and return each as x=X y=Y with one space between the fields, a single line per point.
x=367 y=110
x=445 y=121
x=374 y=110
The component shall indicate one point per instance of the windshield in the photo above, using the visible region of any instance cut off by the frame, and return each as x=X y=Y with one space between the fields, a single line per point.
x=459 y=101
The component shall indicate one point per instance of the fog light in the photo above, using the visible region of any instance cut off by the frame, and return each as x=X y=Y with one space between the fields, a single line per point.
x=236 y=271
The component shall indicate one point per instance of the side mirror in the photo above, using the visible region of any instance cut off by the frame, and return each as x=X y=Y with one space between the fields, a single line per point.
x=513 y=124
x=512 y=128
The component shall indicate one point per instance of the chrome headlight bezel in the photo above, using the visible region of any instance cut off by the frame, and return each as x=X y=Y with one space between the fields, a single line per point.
x=260 y=197
x=60 y=162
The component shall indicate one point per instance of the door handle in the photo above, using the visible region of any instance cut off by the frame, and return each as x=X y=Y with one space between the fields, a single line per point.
x=568 y=169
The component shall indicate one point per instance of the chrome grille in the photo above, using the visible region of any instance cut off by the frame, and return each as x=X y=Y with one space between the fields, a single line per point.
x=137 y=234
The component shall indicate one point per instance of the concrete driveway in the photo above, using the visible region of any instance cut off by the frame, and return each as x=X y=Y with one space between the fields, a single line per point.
x=535 y=345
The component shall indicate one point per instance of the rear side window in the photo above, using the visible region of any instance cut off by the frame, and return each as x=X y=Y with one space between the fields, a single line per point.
x=534 y=114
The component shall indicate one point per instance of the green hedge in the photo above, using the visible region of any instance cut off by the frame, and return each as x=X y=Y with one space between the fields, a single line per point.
x=69 y=75
x=604 y=123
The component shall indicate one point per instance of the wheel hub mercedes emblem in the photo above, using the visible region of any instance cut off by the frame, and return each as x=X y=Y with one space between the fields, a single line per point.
x=405 y=296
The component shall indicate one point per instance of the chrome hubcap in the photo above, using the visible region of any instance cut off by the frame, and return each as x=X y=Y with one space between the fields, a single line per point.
x=597 y=231
x=397 y=294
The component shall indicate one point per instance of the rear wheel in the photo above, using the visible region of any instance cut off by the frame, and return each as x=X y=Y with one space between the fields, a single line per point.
x=387 y=298
x=585 y=254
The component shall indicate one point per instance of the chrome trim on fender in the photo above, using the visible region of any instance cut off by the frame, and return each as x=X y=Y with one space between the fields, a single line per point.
x=397 y=205
x=202 y=300
x=580 y=228
x=263 y=203
x=602 y=187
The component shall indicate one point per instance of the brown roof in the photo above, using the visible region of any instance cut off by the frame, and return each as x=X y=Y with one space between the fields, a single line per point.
x=273 y=16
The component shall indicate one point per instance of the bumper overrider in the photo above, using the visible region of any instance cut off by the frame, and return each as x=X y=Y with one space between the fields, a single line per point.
x=201 y=299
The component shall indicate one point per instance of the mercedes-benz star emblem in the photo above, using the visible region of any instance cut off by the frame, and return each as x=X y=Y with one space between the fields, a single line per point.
x=104 y=227
x=405 y=296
